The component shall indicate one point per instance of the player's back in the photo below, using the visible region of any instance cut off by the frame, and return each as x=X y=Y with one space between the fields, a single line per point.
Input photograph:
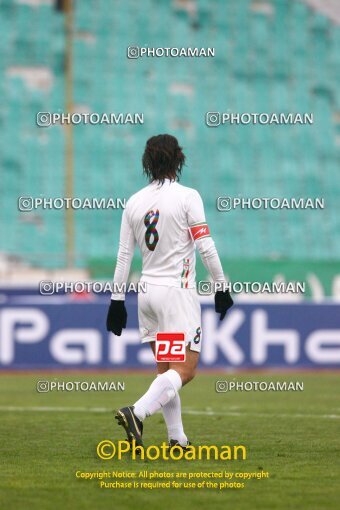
x=158 y=216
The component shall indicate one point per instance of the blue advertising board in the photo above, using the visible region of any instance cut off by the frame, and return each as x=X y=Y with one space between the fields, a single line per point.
x=60 y=332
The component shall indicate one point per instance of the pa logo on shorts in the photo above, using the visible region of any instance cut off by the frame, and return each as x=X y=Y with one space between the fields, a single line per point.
x=170 y=347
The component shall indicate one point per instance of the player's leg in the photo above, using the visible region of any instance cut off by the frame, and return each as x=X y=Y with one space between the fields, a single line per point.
x=162 y=366
x=177 y=310
x=186 y=370
x=171 y=308
x=148 y=327
x=161 y=391
x=191 y=309
x=172 y=412
x=153 y=306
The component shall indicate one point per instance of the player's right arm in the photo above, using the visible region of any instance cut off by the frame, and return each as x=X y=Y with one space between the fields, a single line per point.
x=117 y=315
x=201 y=235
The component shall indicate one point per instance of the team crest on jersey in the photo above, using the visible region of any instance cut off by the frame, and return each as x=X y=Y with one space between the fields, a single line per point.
x=199 y=230
x=185 y=273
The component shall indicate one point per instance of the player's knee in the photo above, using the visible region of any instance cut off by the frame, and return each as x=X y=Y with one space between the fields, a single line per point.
x=187 y=375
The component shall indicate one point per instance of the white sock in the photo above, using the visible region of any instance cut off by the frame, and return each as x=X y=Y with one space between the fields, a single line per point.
x=173 y=419
x=162 y=390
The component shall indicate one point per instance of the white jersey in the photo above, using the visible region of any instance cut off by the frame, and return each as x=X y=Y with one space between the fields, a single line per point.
x=166 y=221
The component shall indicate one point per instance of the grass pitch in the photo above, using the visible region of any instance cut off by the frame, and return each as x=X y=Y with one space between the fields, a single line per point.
x=46 y=437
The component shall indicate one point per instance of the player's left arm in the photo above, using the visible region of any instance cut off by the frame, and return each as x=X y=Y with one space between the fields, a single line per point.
x=117 y=315
x=201 y=235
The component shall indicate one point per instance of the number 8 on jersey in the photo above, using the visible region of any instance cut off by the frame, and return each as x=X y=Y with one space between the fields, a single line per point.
x=151 y=229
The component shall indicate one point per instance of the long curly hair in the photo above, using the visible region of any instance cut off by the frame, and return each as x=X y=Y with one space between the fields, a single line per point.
x=163 y=158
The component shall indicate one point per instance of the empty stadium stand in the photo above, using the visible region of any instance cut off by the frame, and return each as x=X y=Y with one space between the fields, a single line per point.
x=271 y=56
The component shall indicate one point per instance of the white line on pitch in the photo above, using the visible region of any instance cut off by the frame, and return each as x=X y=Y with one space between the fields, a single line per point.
x=185 y=411
x=260 y=415
x=56 y=409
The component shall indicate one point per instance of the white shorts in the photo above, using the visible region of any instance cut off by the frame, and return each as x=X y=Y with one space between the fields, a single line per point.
x=163 y=309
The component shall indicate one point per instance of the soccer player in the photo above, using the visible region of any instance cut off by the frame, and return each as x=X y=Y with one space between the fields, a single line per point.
x=166 y=220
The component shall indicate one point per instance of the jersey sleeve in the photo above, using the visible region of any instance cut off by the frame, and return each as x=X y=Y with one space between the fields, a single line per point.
x=200 y=234
x=124 y=257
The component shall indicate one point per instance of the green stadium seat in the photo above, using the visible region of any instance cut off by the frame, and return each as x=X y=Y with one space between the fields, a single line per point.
x=267 y=69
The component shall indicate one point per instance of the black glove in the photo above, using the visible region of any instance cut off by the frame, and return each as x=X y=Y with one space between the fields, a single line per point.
x=116 y=317
x=223 y=302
